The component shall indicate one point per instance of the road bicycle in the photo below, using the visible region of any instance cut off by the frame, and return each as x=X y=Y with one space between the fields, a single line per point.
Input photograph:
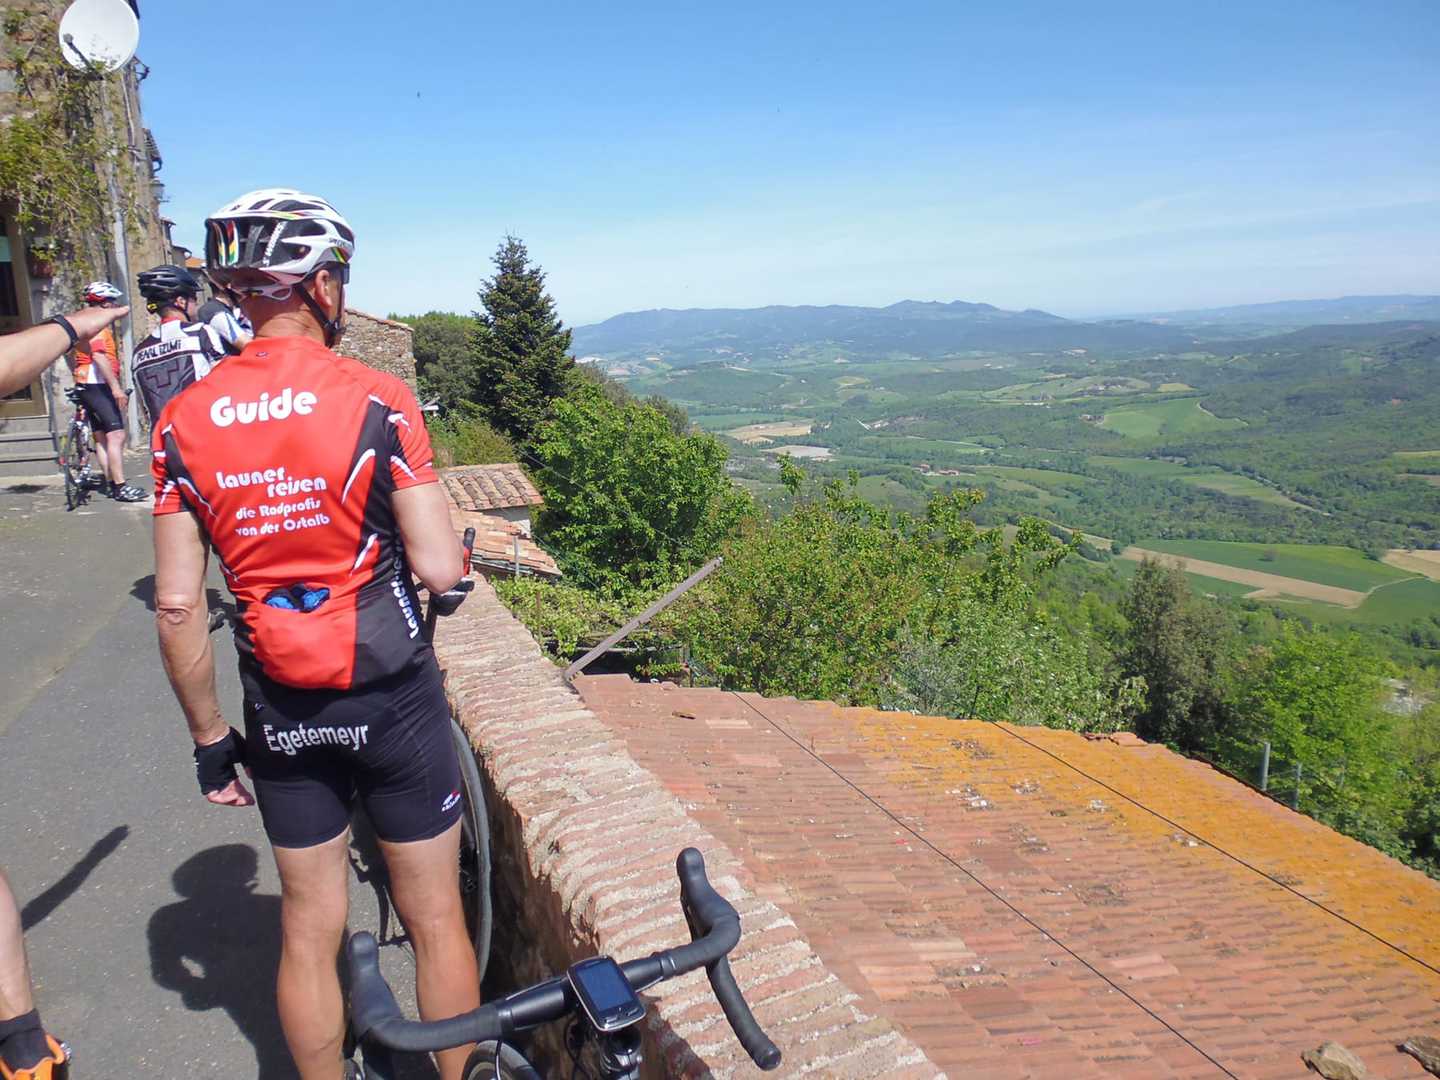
x=598 y=996
x=79 y=462
x=474 y=820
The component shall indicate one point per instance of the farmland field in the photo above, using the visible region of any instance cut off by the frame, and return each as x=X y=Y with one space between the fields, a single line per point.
x=721 y=421
x=1263 y=585
x=763 y=433
x=1343 y=568
x=1208 y=586
x=1419 y=562
x=1203 y=476
x=1400 y=603
x=1182 y=416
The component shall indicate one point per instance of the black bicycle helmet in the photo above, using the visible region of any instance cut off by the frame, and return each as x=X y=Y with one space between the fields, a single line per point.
x=162 y=284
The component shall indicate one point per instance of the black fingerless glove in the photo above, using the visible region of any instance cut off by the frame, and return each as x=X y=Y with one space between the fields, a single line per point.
x=448 y=602
x=215 y=764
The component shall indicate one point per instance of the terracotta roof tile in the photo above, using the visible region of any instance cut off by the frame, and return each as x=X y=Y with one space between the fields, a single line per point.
x=1157 y=872
x=495 y=545
x=490 y=487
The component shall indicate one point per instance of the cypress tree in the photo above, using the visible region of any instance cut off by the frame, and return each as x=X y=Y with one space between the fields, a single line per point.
x=521 y=349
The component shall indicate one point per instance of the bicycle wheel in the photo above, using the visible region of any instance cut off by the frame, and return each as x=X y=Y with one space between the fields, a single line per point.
x=70 y=469
x=474 y=850
x=510 y=1065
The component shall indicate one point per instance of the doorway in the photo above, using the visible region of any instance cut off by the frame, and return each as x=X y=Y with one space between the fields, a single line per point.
x=15 y=315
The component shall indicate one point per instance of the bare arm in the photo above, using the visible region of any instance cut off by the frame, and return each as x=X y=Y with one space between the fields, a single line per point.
x=112 y=380
x=26 y=354
x=431 y=546
x=183 y=624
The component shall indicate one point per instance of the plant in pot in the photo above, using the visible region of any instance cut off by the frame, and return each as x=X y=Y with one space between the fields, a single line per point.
x=40 y=257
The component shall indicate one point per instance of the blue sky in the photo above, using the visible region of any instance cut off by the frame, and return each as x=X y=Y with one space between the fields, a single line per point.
x=1082 y=158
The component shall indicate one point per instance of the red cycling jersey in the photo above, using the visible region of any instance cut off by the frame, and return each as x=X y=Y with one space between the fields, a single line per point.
x=288 y=456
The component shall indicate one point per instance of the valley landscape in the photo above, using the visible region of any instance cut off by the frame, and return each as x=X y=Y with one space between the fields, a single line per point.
x=1289 y=454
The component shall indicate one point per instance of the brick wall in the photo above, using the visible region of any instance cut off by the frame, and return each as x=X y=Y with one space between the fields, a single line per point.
x=585 y=843
x=381 y=343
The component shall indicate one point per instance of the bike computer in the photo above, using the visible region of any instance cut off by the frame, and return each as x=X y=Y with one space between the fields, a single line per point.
x=604 y=993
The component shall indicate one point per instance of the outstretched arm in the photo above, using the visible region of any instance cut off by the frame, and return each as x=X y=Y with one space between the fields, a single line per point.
x=26 y=354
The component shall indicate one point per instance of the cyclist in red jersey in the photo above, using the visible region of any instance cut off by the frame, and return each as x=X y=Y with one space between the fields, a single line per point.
x=309 y=475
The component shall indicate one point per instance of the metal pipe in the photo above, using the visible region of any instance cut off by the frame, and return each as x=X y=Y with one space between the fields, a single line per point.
x=1265 y=768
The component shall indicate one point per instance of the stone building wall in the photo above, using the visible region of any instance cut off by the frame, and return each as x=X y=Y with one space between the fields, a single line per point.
x=381 y=343
x=142 y=237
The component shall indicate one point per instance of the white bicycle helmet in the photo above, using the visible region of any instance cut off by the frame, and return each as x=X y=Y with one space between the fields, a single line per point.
x=100 y=292
x=284 y=234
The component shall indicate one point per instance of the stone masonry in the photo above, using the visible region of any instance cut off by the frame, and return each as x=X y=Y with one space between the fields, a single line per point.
x=381 y=343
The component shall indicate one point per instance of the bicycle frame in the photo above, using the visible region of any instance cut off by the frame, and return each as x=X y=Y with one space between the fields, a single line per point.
x=77 y=455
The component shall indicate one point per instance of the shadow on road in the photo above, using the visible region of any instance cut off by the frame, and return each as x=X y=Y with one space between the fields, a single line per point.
x=219 y=948
x=39 y=908
x=144 y=591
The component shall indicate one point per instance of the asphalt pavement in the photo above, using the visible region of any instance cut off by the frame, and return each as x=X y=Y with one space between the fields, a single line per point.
x=151 y=917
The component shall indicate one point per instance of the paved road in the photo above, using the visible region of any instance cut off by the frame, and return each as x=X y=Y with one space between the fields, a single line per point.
x=152 y=918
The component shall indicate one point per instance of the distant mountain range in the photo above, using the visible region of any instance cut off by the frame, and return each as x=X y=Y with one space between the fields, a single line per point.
x=780 y=336
x=1294 y=314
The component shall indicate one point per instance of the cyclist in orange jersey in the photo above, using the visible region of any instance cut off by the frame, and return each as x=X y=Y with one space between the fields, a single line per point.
x=96 y=365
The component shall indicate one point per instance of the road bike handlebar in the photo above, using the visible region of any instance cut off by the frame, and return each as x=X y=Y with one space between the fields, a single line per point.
x=714 y=931
x=448 y=602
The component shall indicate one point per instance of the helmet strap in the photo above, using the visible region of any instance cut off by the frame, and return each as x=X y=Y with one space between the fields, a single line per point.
x=332 y=328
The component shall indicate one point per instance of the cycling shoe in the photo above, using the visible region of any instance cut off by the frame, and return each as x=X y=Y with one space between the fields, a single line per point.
x=127 y=493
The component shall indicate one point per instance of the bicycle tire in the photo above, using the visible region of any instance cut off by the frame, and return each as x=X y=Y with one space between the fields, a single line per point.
x=475 y=863
x=481 y=1065
x=70 y=470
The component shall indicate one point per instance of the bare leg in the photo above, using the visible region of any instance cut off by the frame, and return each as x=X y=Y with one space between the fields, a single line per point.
x=102 y=458
x=16 y=996
x=115 y=454
x=425 y=885
x=314 y=895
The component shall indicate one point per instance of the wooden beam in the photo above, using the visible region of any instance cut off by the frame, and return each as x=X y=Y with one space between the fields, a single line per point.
x=640 y=620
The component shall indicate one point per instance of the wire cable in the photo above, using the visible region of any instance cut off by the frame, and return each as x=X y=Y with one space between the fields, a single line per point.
x=1028 y=920
x=1228 y=854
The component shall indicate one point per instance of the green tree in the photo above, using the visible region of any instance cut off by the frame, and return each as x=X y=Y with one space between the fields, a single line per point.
x=1183 y=646
x=1417 y=738
x=462 y=437
x=628 y=502
x=520 y=349
x=817 y=603
x=444 y=363
x=1012 y=665
x=1315 y=697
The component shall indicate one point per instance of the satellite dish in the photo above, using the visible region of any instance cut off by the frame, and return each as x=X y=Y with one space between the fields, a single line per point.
x=99 y=34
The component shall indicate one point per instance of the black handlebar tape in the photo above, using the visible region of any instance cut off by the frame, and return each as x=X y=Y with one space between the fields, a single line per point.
x=375 y=1014
x=742 y=1021
x=538 y=1005
x=371 y=1001
x=709 y=913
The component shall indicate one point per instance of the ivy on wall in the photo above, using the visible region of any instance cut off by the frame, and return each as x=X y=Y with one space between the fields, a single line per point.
x=61 y=142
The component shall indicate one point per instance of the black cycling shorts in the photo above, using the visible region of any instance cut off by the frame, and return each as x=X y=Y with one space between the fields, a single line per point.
x=101 y=407
x=311 y=752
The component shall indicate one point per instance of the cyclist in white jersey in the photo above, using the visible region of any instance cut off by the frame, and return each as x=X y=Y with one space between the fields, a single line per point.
x=222 y=313
x=181 y=351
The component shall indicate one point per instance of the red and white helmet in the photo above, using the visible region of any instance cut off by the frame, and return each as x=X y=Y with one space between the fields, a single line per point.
x=101 y=292
x=284 y=234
